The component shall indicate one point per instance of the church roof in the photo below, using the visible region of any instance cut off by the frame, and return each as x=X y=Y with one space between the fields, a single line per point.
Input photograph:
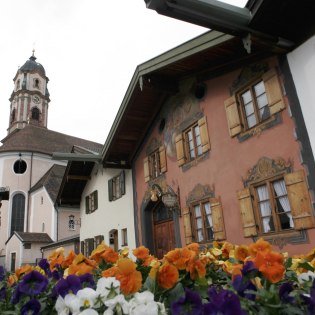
x=51 y=180
x=31 y=65
x=31 y=237
x=41 y=140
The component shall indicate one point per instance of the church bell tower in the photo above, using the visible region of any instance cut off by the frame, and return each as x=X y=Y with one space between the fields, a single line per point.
x=30 y=97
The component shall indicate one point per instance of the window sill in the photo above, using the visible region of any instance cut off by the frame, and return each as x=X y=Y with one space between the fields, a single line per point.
x=196 y=161
x=258 y=129
x=284 y=238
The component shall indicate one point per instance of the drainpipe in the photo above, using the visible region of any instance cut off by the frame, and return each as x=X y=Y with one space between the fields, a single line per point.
x=29 y=194
x=216 y=15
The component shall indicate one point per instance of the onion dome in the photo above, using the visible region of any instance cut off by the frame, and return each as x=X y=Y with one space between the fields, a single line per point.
x=31 y=65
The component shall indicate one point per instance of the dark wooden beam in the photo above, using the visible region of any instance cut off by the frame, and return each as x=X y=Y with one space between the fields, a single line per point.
x=78 y=177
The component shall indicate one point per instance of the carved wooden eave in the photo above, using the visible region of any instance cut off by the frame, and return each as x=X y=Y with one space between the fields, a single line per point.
x=200 y=192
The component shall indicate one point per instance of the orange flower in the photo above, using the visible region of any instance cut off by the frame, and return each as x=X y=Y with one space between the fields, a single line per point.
x=194 y=247
x=81 y=265
x=23 y=270
x=110 y=256
x=259 y=246
x=68 y=261
x=270 y=264
x=110 y=272
x=148 y=261
x=241 y=252
x=98 y=251
x=12 y=279
x=226 y=248
x=141 y=252
x=130 y=279
x=167 y=276
x=197 y=269
x=56 y=258
x=180 y=257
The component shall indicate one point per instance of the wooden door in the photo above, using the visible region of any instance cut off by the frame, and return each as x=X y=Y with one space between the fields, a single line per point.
x=164 y=238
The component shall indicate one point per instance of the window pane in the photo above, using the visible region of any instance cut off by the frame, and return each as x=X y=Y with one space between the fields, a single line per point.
x=210 y=234
x=197 y=131
x=207 y=208
x=197 y=211
x=189 y=133
x=264 y=113
x=251 y=121
x=209 y=220
x=259 y=88
x=199 y=223
x=262 y=100
x=198 y=141
x=247 y=97
x=199 y=235
x=249 y=109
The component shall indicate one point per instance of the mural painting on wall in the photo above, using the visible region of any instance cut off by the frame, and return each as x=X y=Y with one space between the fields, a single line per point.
x=178 y=113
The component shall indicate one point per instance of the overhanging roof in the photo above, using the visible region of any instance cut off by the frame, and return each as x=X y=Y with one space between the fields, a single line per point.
x=206 y=56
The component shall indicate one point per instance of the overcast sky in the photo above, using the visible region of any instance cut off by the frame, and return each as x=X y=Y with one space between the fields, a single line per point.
x=89 y=49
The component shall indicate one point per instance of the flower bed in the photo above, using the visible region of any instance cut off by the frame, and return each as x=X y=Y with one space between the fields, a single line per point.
x=224 y=279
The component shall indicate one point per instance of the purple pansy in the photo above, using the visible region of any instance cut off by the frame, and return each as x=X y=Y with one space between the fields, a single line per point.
x=223 y=302
x=242 y=285
x=71 y=284
x=33 y=283
x=310 y=300
x=2 y=273
x=284 y=292
x=190 y=304
x=44 y=264
x=3 y=293
x=31 y=307
x=87 y=280
x=248 y=267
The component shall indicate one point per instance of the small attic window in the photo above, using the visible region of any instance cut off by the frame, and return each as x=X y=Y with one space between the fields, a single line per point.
x=18 y=84
x=13 y=115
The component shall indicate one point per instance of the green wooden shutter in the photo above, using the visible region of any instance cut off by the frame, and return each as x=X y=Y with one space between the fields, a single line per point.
x=95 y=193
x=87 y=205
x=122 y=183
x=110 y=190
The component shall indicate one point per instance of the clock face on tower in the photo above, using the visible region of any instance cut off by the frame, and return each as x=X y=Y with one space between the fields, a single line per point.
x=36 y=99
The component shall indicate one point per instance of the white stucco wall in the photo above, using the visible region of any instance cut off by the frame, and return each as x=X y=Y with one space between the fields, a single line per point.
x=302 y=65
x=29 y=255
x=63 y=222
x=116 y=214
x=14 y=246
x=21 y=183
x=42 y=212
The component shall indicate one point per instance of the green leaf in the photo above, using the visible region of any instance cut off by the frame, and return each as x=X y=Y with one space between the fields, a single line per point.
x=176 y=293
x=306 y=266
x=149 y=285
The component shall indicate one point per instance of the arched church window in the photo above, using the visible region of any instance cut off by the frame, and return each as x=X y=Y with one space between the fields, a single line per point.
x=18 y=211
x=35 y=113
x=36 y=83
x=13 y=115
x=19 y=167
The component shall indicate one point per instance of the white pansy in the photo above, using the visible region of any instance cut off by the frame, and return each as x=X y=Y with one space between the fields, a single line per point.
x=306 y=276
x=106 y=285
x=89 y=311
x=118 y=300
x=87 y=298
x=150 y=308
x=70 y=304
x=108 y=312
x=143 y=304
